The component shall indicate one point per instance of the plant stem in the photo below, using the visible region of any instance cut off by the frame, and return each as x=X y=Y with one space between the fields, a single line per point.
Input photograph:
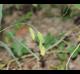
x=42 y=61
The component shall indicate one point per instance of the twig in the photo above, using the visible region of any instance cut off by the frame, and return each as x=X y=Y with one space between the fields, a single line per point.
x=6 y=28
x=56 y=51
x=23 y=57
x=71 y=56
x=26 y=56
x=8 y=65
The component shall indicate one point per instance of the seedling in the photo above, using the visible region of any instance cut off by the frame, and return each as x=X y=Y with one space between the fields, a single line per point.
x=66 y=11
x=40 y=41
x=44 y=42
x=16 y=48
x=32 y=34
x=39 y=38
x=69 y=11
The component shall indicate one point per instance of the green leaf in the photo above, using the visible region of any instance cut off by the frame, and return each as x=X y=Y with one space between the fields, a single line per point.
x=75 y=55
x=32 y=33
x=49 y=40
x=18 y=26
x=71 y=49
x=18 y=50
x=61 y=46
x=27 y=16
x=42 y=49
x=62 y=56
x=8 y=38
x=40 y=37
x=66 y=12
x=79 y=50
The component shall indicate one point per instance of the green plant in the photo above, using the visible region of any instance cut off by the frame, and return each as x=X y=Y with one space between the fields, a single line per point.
x=27 y=16
x=49 y=40
x=17 y=48
x=71 y=48
x=44 y=42
x=40 y=41
x=66 y=11
x=32 y=34
x=62 y=55
x=70 y=11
